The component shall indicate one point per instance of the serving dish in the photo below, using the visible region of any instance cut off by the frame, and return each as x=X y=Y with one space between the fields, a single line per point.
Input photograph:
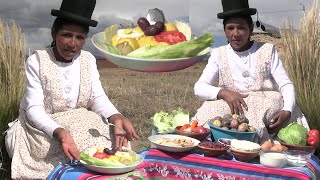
x=212 y=149
x=197 y=135
x=273 y=158
x=146 y=65
x=244 y=156
x=157 y=142
x=113 y=170
x=217 y=133
x=297 y=157
x=310 y=149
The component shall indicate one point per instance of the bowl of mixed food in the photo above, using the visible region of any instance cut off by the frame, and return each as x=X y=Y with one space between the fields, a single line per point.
x=152 y=46
x=110 y=160
x=231 y=127
x=193 y=130
x=213 y=149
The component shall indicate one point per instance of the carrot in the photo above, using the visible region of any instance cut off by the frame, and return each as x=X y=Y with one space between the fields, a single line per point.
x=194 y=124
x=186 y=126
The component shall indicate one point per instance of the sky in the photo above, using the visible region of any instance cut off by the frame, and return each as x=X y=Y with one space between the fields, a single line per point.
x=35 y=20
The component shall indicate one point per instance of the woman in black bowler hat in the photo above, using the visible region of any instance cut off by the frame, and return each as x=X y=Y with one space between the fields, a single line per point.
x=61 y=113
x=252 y=81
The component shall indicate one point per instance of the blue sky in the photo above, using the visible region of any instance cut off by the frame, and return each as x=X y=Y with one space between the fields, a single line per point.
x=33 y=16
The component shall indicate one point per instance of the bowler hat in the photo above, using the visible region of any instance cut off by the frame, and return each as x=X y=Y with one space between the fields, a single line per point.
x=77 y=10
x=235 y=7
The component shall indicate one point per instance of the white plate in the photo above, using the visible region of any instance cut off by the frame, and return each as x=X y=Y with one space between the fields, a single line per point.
x=154 y=138
x=145 y=65
x=113 y=170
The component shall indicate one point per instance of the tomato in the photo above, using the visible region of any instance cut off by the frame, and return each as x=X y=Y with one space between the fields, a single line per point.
x=100 y=155
x=170 y=37
x=314 y=132
x=313 y=141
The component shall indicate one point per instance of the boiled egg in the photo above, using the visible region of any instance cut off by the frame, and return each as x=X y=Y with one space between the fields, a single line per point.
x=129 y=33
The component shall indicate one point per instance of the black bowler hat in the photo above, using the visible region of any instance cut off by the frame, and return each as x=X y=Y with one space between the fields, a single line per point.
x=77 y=10
x=235 y=7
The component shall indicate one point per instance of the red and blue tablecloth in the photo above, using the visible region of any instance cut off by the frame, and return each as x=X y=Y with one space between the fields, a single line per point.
x=166 y=165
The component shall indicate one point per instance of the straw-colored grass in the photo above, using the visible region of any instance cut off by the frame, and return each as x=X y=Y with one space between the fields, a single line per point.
x=302 y=60
x=12 y=81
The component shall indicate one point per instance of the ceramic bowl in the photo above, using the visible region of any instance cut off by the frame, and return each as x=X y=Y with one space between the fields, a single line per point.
x=212 y=149
x=195 y=135
x=310 y=149
x=244 y=156
x=273 y=158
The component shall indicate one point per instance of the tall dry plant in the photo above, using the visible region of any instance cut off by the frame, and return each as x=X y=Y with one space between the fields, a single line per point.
x=302 y=61
x=12 y=81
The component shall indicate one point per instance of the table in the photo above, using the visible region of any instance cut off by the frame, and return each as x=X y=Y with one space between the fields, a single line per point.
x=165 y=165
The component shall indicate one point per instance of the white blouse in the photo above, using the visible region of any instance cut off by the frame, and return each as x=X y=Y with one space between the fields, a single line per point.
x=33 y=103
x=240 y=62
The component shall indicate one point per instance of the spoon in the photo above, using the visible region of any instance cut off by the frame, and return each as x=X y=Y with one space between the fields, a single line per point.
x=110 y=124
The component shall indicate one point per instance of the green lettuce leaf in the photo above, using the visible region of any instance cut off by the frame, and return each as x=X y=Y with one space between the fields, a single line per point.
x=183 y=49
x=99 y=162
x=166 y=122
x=294 y=134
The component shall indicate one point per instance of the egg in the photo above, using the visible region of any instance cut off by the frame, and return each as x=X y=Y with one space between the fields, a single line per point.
x=129 y=33
x=267 y=145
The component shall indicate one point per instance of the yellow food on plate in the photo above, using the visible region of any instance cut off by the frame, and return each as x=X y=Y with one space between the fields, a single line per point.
x=129 y=33
x=170 y=27
x=150 y=40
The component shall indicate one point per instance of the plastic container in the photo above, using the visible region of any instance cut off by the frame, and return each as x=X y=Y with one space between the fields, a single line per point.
x=217 y=133
x=273 y=159
x=297 y=158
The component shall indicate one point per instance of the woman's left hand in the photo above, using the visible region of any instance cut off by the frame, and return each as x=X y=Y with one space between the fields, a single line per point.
x=278 y=121
x=123 y=131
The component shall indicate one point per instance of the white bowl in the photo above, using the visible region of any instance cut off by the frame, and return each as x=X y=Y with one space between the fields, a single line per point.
x=113 y=170
x=153 y=139
x=146 y=65
x=273 y=159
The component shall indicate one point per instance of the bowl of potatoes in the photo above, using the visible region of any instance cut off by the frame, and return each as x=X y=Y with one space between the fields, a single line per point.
x=231 y=127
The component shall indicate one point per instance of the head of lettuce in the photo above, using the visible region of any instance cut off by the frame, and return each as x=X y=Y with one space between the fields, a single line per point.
x=294 y=134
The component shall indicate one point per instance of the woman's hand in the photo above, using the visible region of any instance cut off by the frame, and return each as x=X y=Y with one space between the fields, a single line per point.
x=123 y=123
x=68 y=145
x=234 y=100
x=278 y=121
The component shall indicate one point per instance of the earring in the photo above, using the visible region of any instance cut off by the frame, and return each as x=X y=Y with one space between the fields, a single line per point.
x=258 y=23
x=53 y=44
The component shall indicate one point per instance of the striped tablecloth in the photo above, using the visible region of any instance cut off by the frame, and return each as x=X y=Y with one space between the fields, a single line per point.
x=164 y=165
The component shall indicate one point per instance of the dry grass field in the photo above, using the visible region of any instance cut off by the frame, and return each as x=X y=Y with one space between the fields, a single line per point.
x=139 y=95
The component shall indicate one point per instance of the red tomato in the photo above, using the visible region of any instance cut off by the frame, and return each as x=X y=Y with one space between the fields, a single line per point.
x=314 y=132
x=313 y=141
x=100 y=155
x=170 y=37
